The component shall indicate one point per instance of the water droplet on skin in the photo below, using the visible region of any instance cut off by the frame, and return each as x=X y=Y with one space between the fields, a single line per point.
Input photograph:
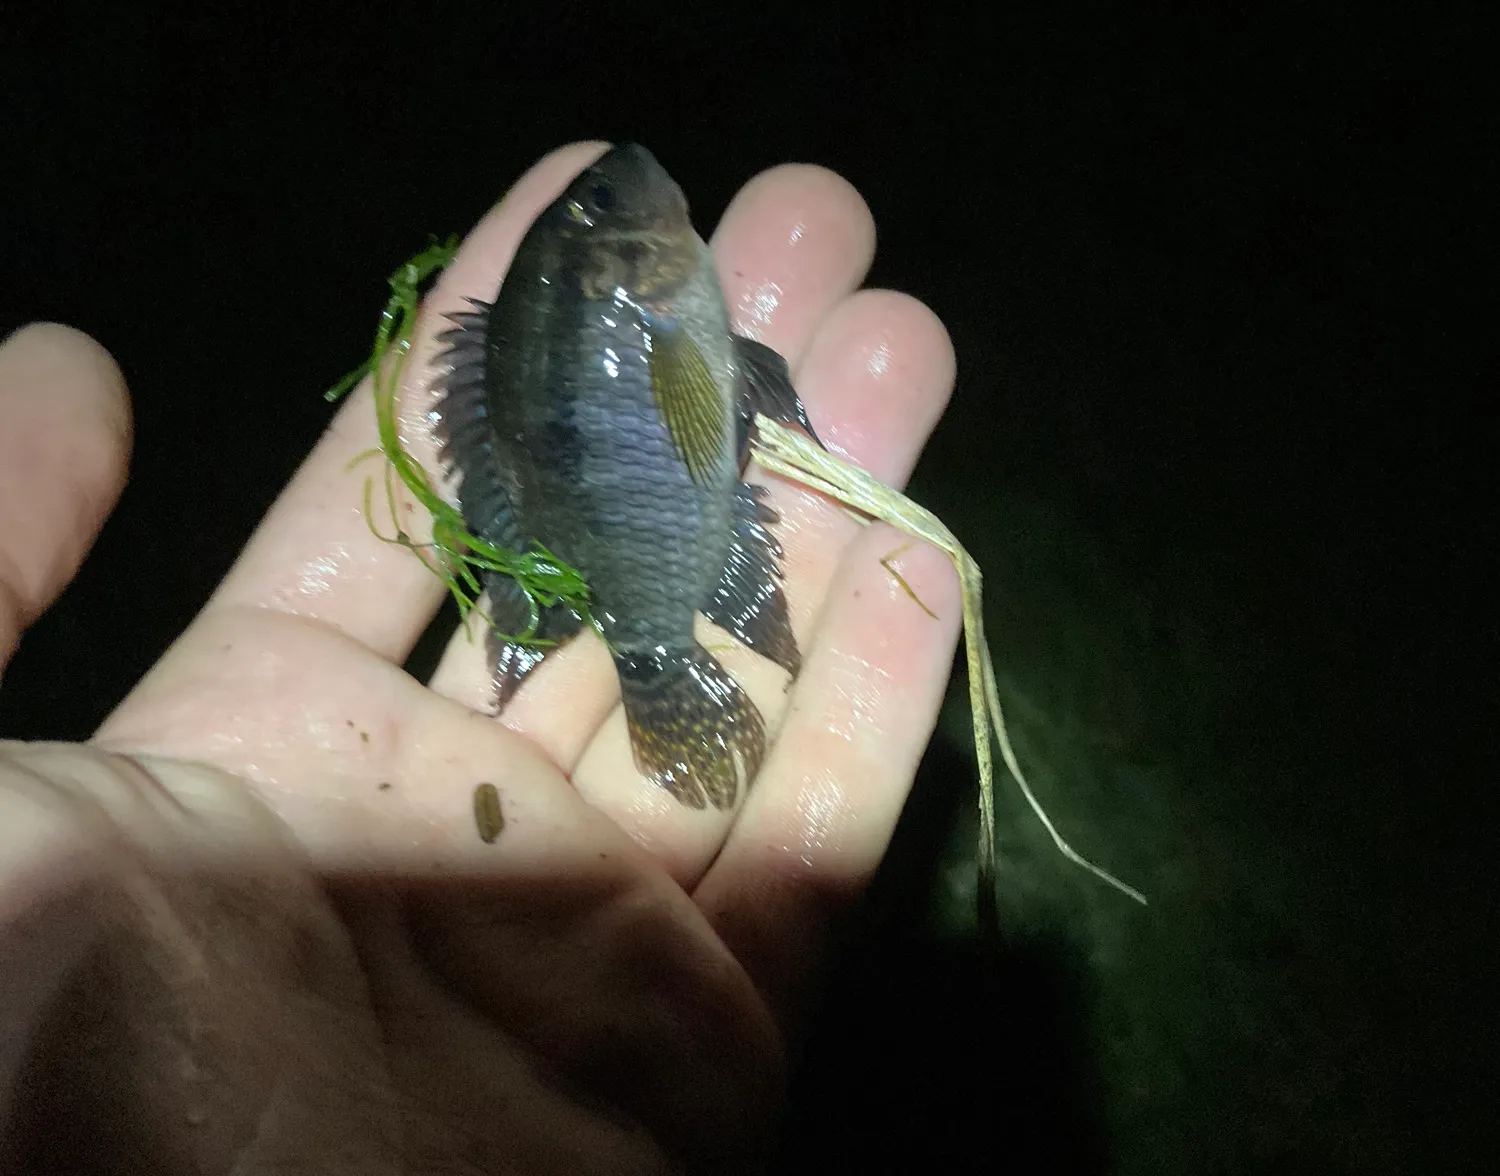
x=823 y=813
x=758 y=306
x=855 y=692
x=317 y=576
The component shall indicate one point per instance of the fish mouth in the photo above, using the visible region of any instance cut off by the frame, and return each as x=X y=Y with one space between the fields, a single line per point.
x=630 y=154
x=631 y=161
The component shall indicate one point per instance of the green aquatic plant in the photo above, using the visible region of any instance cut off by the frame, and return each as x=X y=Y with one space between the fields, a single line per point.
x=454 y=554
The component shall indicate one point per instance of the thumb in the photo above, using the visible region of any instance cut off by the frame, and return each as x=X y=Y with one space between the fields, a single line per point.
x=64 y=450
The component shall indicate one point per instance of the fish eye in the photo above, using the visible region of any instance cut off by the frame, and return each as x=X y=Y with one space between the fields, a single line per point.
x=601 y=197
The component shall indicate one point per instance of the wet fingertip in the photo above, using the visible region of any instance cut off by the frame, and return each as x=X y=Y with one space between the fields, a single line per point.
x=804 y=183
x=809 y=199
x=594 y=147
x=894 y=340
x=550 y=173
x=876 y=378
x=931 y=364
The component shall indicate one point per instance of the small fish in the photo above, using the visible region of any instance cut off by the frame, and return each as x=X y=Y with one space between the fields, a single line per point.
x=602 y=406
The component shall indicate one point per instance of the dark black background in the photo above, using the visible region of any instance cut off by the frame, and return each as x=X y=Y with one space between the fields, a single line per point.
x=1214 y=283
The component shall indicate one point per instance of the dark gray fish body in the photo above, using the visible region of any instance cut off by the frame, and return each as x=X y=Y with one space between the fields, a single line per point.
x=601 y=479
x=601 y=407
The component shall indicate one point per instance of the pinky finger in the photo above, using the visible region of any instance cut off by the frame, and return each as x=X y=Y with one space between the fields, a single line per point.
x=823 y=810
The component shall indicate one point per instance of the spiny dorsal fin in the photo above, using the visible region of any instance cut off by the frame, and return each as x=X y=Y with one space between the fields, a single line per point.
x=463 y=423
x=688 y=400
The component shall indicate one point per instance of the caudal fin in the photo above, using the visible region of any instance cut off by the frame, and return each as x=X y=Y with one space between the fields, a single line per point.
x=692 y=729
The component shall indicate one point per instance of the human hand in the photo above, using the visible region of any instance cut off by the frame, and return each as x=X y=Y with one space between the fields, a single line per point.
x=289 y=946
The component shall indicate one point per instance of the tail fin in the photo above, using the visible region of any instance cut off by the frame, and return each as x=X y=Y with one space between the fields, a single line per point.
x=692 y=729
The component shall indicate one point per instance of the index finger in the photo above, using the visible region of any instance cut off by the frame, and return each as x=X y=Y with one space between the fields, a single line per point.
x=315 y=554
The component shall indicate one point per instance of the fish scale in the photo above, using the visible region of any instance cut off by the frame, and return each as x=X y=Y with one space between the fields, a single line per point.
x=652 y=516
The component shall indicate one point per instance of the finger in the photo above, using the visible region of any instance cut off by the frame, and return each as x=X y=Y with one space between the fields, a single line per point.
x=879 y=371
x=314 y=555
x=64 y=451
x=792 y=243
x=816 y=826
x=803 y=238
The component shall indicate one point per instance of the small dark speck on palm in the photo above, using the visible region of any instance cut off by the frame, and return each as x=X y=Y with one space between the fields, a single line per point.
x=488 y=815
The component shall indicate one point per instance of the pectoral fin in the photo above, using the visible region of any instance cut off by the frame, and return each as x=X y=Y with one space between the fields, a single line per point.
x=688 y=399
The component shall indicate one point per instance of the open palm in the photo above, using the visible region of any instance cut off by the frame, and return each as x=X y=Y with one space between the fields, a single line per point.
x=313 y=962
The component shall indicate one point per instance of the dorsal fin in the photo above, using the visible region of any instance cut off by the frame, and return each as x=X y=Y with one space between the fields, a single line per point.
x=766 y=387
x=465 y=435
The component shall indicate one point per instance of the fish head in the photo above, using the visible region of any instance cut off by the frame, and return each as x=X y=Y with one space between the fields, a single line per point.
x=623 y=225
